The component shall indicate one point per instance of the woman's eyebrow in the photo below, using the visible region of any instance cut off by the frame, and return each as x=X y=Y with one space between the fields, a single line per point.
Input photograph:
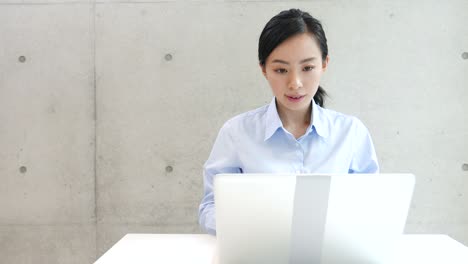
x=287 y=63
x=308 y=59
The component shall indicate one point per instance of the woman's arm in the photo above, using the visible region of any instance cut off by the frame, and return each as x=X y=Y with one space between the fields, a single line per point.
x=364 y=158
x=223 y=159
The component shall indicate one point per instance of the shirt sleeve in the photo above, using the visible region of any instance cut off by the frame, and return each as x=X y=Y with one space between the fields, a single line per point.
x=364 y=158
x=222 y=159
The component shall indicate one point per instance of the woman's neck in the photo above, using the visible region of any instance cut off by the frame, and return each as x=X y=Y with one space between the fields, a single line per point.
x=296 y=122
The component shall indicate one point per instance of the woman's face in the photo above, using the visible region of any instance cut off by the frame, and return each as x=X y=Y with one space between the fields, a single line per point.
x=293 y=70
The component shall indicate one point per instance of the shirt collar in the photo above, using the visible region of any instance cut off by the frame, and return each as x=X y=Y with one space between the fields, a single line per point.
x=319 y=121
x=273 y=121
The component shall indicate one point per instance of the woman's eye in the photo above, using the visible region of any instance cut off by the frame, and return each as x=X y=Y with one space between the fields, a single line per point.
x=281 y=71
x=308 y=68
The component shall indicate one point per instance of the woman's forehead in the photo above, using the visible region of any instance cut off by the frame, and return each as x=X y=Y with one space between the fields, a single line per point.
x=297 y=49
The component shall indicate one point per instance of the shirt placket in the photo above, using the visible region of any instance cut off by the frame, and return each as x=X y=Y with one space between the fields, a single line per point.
x=299 y=164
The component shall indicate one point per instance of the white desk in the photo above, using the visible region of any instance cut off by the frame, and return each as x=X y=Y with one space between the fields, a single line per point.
x=178 y=248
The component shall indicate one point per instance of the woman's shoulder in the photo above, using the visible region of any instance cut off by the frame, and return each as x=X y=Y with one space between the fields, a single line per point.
x=252 y=116
x=249 y=121
x=336 y=115
x=336 y=118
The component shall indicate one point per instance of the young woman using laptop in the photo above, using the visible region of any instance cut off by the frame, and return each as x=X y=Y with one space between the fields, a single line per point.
x=294 y=133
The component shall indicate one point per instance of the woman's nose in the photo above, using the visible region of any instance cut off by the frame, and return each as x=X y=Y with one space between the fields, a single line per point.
x=295 y=82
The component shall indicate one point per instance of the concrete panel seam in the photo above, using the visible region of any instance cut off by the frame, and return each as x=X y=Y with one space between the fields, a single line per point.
x=47 y=4
x=93 y=13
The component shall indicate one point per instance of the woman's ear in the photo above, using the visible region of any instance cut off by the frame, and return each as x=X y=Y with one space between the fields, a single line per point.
x=325 y=63
x=262 y=67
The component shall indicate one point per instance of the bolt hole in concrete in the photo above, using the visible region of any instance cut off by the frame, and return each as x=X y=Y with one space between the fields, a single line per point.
x=465 y=55
x=22 y=59
x=465 y=166
x=169 y=169
x=168 y=57
x=23 y=169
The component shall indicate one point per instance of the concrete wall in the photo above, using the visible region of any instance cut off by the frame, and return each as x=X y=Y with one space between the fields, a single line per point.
x=109 y=109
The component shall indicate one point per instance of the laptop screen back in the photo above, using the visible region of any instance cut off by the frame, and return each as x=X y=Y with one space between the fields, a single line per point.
x=286 y=218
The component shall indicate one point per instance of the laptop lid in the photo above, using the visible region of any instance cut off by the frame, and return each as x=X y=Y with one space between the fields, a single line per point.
x=315 y=218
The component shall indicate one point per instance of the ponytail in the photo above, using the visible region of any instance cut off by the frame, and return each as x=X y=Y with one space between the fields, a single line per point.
x=319 y=96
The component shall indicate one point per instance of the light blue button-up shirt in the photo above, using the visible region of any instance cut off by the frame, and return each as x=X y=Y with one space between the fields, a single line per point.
x=257 y=142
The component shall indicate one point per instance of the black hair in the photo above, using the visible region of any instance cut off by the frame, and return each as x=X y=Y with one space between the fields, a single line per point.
x=285 y=25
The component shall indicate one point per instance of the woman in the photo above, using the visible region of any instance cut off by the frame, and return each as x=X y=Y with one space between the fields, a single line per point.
x=294 y=133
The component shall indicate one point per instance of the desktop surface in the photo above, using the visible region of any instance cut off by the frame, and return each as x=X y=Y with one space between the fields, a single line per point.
x=201 y=249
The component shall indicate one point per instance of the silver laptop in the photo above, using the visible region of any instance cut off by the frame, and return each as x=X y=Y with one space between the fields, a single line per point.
x=289 y=218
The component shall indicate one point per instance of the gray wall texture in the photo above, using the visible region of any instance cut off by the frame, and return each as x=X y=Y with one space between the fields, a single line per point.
x=109 y=109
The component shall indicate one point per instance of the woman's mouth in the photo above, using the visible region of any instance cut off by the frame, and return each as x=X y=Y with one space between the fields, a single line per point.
x=295 y=98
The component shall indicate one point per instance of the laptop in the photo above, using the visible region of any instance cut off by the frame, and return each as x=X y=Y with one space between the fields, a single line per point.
x=314 y=218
